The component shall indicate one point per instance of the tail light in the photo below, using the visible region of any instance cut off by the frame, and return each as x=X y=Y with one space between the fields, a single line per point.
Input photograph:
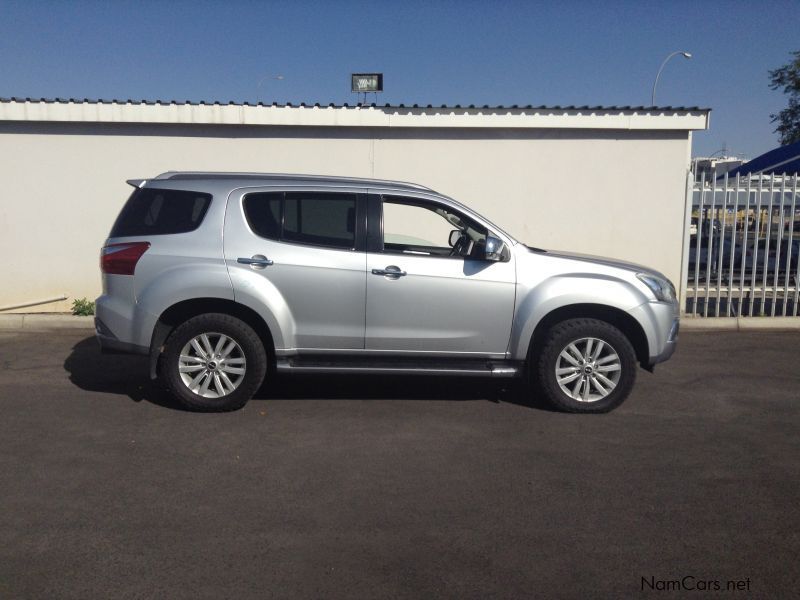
x=121 y=259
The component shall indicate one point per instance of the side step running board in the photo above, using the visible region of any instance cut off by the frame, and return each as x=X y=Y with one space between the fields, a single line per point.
x=387 y=367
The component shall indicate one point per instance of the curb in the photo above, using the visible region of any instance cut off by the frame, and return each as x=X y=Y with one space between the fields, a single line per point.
x=740 y=324
x=44 y=322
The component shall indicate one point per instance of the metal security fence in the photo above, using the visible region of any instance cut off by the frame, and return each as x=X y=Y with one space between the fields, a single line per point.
x=744 y=245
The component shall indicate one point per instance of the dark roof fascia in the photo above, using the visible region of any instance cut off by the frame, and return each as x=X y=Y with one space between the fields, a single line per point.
x=520 y=107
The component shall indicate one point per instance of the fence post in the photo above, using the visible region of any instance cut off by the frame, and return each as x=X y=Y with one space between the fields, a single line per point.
x=789 y=253
x=687 y=240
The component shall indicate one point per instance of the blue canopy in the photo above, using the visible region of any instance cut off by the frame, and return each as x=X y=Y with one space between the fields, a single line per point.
x=785 y=159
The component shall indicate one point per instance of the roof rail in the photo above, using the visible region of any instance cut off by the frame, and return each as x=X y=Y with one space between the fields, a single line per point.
x=185 y=175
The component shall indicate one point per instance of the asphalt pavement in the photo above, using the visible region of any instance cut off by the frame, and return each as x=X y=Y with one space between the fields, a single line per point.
x=352 y=487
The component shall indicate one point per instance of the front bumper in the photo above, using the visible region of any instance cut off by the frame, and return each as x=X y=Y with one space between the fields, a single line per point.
x=660 y=322
x=669 y=346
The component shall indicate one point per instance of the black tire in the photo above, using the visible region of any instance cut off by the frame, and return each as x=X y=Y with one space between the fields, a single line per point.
x=249 y=347
x=558 y=338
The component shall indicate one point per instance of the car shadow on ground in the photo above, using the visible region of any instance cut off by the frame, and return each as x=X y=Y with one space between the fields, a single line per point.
x=127 y=375
x=123 y=374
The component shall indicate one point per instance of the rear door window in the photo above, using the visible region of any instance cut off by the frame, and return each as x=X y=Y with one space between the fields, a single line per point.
x=310 y=218
x=152 y=211
x=320 y=219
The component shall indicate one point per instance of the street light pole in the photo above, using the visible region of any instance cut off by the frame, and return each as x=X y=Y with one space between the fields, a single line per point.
x=666 y=60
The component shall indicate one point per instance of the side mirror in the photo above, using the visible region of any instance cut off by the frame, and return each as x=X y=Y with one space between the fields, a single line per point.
x=495 y=248
x=455 y=235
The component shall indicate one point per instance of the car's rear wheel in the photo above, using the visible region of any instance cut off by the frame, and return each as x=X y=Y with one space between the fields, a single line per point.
x=586 y=365
x=213 y=362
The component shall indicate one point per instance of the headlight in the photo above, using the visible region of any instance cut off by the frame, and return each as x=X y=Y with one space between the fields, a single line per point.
x=662 y=288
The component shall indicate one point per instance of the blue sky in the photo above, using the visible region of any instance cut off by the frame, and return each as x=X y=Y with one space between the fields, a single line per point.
x=430 y=52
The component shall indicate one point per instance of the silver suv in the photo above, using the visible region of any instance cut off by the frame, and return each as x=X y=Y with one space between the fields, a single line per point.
x=223 y=279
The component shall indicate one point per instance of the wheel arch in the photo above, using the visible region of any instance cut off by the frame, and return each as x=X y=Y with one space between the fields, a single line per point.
x=614 y=316
x=181 y=312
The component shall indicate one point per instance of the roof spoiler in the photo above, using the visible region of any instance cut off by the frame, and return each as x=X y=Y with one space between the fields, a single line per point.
x=137 y=183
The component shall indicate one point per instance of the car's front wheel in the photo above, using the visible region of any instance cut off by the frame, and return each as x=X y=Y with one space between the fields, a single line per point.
x=585 y=365
x=213 y=362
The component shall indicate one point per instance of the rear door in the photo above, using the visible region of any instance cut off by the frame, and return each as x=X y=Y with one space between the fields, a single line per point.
x=302 y=253
x=424 y=296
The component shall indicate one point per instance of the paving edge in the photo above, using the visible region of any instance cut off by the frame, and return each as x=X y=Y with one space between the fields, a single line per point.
x=33 y=322
x=740 y=324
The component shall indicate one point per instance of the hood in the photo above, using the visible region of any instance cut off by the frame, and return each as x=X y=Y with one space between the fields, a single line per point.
x=600 y=260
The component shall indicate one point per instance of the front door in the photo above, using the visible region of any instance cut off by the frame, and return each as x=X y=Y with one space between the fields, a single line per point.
x=426 y=296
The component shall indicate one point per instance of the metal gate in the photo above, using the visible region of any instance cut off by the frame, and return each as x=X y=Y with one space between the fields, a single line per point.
x=744 y=245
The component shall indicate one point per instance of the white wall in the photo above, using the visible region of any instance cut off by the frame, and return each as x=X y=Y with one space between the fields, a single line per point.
x=613 y=193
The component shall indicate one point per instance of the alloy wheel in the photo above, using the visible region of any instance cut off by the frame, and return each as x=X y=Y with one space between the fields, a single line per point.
x=588 y=369
x=212 y=365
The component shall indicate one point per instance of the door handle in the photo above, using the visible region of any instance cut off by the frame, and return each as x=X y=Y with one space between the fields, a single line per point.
x=391 y=271
x=258 y=261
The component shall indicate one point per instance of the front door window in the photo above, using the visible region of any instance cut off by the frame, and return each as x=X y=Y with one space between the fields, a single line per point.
x=428 y=229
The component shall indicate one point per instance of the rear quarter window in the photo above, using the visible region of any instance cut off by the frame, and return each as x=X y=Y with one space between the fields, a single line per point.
x=152 y=211
x=263 y=213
